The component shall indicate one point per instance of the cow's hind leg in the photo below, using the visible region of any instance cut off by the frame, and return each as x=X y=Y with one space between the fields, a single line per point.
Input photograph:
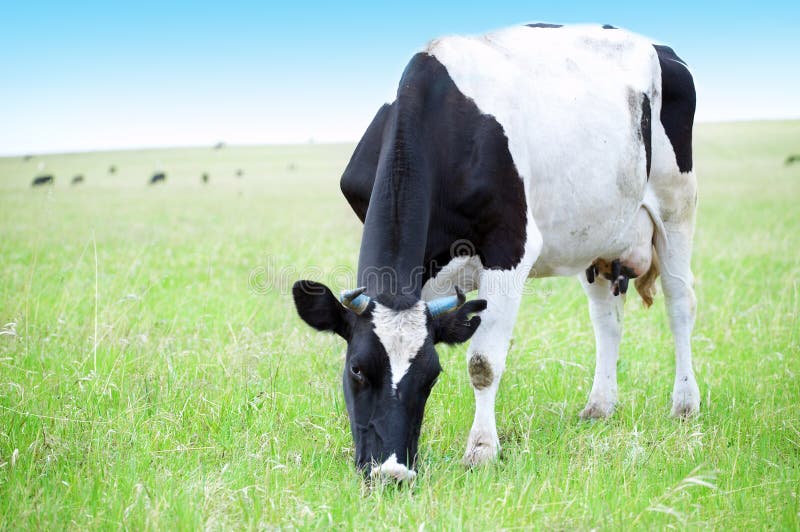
x=675 y=253
x=606 y=311
x=674 y=183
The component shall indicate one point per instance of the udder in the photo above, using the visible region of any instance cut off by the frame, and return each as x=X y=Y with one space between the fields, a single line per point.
x=634 y=261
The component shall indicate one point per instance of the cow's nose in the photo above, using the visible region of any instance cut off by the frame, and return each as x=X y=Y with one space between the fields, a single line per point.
x=392 y=469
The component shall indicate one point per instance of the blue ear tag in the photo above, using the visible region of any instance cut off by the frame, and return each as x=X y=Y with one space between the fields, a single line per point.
x=442 y=305
x=358 y=304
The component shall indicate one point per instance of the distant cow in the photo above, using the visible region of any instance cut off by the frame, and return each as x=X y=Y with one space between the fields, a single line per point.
x=42 y=180
x=204 y=177
x=160 y=177
x=239 y=172
x=112 y=169
x=78 y=179
x=792 y=159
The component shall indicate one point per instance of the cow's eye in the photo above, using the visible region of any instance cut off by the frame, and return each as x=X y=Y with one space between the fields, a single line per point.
x=356 y=373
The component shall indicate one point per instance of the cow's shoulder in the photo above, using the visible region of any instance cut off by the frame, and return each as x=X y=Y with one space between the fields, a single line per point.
x=478 y=195
x=434 y=147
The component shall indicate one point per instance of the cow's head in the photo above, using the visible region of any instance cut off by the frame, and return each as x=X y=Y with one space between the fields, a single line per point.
x=391 y=364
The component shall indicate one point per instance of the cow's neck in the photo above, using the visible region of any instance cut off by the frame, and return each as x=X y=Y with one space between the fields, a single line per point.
x=396 y=227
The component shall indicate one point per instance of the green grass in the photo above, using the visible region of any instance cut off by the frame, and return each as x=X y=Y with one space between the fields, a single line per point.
x=146 y=383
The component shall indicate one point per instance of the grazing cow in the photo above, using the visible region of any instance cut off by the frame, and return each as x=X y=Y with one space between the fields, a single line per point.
x=204 y=177
x=239 y=172
x=528 y=152
x=42 y=180
x=78 y=179
x=112 y=169
x=159 y=177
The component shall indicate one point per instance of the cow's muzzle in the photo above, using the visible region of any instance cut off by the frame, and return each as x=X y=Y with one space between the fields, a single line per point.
x=391 y=469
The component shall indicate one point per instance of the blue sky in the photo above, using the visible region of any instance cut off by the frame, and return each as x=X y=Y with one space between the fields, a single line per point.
x=102 y=75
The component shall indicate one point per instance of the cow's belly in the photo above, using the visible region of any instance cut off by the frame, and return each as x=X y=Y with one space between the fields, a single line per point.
x=601 y=219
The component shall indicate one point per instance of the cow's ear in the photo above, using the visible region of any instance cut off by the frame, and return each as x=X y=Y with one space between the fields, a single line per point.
x=457 y=326
x=318 y=307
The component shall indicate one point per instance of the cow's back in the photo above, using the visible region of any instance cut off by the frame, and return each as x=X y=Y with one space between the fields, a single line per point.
x=571 y=101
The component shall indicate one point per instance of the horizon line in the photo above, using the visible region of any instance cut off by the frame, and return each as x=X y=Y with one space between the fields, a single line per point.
x=310 y=142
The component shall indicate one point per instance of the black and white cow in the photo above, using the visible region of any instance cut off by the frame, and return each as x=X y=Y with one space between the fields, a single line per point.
x=41 y=180
x=532 y=151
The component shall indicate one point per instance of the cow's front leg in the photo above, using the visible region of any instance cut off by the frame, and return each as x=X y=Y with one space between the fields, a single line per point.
x=486 y=357
x=606 y=311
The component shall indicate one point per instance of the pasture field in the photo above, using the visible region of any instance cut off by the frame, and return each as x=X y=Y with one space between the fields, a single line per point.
x=154 y=374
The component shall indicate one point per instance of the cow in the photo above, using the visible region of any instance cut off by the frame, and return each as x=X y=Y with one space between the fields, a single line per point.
x=42 y=180
x=532 y=151
x=158 y=177
x=77 y=180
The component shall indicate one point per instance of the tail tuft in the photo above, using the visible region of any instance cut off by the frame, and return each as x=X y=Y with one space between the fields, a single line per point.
x=646 y=284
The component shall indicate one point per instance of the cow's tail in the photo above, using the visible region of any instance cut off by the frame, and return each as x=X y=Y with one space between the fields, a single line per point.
x=646 y=284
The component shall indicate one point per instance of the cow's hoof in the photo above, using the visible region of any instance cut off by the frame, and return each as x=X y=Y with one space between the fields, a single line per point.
x=685 y=398
x=482 y=448
x=597 y=410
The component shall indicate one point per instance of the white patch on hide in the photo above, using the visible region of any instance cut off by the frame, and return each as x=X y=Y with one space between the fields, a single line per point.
x=462 y=272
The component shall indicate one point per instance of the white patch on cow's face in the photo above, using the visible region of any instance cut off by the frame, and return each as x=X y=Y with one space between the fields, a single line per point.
x=402 y=333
